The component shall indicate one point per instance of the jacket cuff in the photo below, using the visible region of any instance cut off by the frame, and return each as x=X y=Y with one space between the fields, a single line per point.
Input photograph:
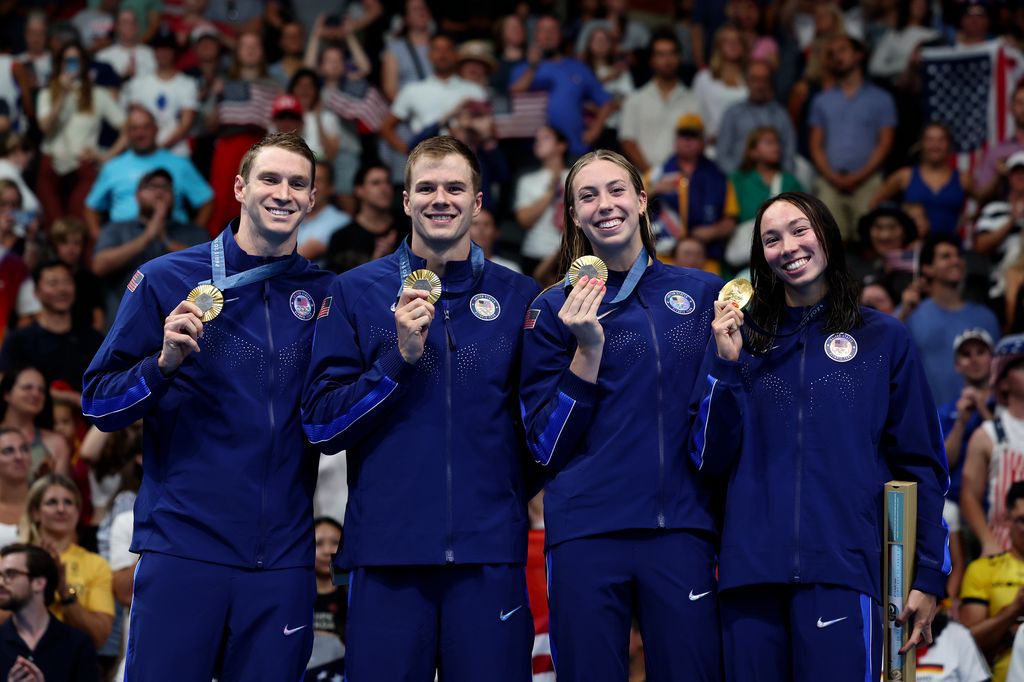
x=727 y=371
x=930 y=581
x=578 y=389
x=394 y=366
x=155 y=380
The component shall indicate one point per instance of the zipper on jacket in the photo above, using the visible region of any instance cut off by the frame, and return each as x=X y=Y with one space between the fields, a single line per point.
x=661 y=415
x=270 y=414
x=449 y=552
x=799 y=455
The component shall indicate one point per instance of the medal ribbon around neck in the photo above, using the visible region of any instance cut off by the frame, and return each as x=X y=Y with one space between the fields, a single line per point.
x=476 y=260
x=209 y=294
x=636 y=271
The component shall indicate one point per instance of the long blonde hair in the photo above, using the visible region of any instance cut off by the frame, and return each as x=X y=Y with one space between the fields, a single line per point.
x=29 y=530
x=574 y=242
x=717 y=63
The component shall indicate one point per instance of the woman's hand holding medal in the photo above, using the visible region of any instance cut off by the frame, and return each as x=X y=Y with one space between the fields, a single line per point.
x=579 y=315
x=726 y=328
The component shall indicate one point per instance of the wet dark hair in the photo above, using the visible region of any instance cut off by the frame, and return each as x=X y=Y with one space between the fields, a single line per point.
x=769 y=300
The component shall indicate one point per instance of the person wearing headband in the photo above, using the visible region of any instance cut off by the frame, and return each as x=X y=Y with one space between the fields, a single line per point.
x=808 y=404
x=610 y=358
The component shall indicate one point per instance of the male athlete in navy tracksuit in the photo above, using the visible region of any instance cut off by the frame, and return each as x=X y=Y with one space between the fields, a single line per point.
x=630 y=527
x=423 y=398
x=807 y=426
x=224 y=518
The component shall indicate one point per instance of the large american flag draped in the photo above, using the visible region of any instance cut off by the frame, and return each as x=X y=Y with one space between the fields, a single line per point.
x=968 y=89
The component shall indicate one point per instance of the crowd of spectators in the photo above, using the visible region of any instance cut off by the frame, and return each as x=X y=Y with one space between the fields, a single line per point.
x=122 y=125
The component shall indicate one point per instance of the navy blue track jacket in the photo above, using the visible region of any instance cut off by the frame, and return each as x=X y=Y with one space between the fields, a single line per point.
x=615 y=453
x=229 y=476
x=807 y=435
x=435 y=450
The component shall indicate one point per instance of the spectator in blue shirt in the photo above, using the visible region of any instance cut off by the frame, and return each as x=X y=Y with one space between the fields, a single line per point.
x=852 y=127
x=114 y=191
x=570 y=84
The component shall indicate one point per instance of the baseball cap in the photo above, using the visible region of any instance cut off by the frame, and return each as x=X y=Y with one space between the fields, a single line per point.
x=1008 y=352
x=972 y=334
x=156 y=173
x=1014 y=160
x=690 y=122
x=286 y=105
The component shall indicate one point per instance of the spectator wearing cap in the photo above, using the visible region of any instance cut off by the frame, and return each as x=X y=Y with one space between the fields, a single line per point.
x=647 y=126
x=995 y=451
x=570 y=85
x=995 y=167
x=127 y=56
x=423 y=103
x=124 y=245
x=693 y=197
x=115 y=190
x=477 y=62
x=997 y=231
x=170 y=95
x=885 y=237
x=960 y=418
x=935 y=183
x=936 y=321
x=759 y=110
x=852 y=127
x=286 y=114
x=34 y=645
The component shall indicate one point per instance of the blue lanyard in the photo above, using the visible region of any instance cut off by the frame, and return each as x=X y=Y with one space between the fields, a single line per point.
x=636 y=271
x=258 y=274
x=476 y=260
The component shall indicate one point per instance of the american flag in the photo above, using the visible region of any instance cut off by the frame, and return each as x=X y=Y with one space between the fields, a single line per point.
x=136 y=280
x=246 y=103
x=969 y=90
x=529 y=112
x=325 y=308
x=369 y=111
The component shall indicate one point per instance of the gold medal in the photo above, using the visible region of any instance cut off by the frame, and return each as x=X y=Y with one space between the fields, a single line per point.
x=425 y=280
x=591 y=266
x=739 y=291
x=208 y=299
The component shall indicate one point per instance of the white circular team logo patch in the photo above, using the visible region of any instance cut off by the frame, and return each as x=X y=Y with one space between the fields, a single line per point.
x=680 y=302
x=841 y=347
x=302 y=305
x=485 y=307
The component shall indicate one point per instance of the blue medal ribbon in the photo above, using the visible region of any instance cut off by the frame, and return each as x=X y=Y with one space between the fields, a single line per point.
x=476 y=261
x=251 y=276
x=636 y=271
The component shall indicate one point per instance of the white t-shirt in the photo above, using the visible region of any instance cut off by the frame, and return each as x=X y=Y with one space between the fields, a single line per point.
x=954 y=657
x=650 y=119
x=715 y=97
x=120 y=57
x=424 y=102
x=166 y=99
x=29 y=200
x=311 y=132
x=544 y=238
x=75 y=131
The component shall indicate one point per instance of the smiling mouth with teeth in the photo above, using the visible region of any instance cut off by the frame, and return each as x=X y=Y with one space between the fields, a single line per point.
x=606 y=224
x=279 y=211
x=793 y=265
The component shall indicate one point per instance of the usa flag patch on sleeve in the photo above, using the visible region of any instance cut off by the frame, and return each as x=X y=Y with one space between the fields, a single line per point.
x=136 y=280
x=531 y=318
x=325 y=308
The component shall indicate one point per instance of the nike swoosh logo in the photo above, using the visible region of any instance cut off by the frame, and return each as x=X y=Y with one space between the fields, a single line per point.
x=826 y=623
x=695 y=597
x=505 y=616
x=292 y=631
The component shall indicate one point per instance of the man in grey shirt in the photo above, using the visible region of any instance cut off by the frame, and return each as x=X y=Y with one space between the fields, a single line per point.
x=123 y=246
x=758 y=110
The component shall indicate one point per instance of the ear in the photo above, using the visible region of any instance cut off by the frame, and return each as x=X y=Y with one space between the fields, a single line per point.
x=239 y=189
x=478 y=203
x=405 y=203
x=312 y=200
x=642 y=200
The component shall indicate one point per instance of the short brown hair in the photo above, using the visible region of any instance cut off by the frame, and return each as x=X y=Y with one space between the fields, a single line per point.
x=438 y=148
x=291 y=142
x=64 y=228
